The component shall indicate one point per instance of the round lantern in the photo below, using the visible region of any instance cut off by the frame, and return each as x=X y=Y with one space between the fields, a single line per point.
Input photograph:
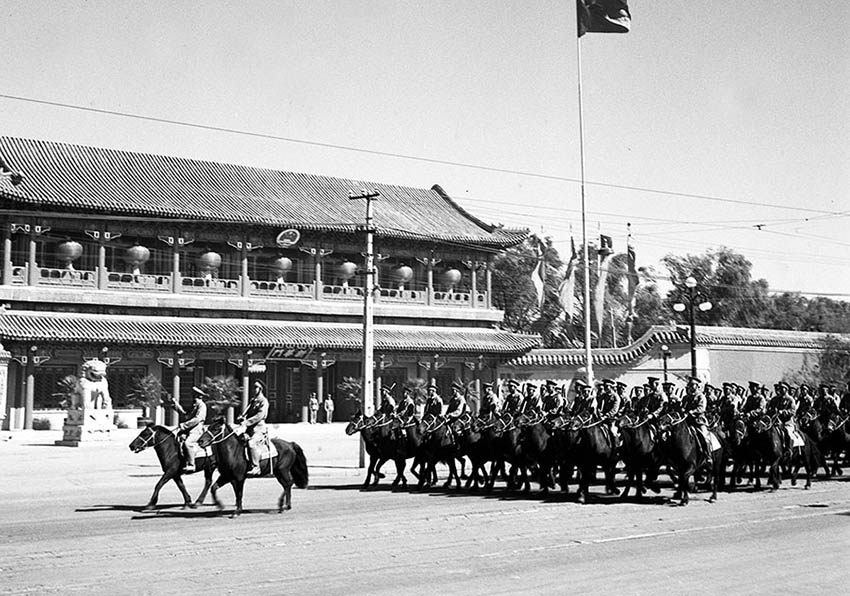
x=209 y=262
x=402 y=274
x=282 y=266
x=68 y=252
x=347 y=270
x=136 y=256
x=451 y=277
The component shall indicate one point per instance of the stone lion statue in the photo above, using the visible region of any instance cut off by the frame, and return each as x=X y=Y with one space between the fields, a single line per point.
x=92 y=387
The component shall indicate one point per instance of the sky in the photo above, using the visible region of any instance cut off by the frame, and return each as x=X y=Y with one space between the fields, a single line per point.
x=720 y=123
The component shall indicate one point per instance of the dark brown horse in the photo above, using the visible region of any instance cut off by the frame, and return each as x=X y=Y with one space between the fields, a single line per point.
x=681 y=451
x=595 y=449
x=289 y=464
x=639 y=454
x=170 y=455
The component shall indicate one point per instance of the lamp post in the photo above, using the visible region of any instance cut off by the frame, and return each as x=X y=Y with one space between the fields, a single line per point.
x=665 y=354
x=690 y=302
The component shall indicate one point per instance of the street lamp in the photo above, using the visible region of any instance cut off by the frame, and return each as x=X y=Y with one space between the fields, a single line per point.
x=690 y=302
x=665 y=354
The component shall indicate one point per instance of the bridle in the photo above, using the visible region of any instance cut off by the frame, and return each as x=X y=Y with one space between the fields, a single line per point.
x=147 y=441
x=220 y=436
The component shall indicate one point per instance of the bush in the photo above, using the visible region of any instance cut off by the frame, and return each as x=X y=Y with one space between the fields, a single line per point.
x=41 y=424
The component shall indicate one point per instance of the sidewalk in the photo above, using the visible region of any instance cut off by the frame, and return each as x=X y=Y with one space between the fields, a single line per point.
x=328 y=449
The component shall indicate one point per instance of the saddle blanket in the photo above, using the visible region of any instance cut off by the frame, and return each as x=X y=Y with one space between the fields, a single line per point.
x=797 y=439
x=714 y=441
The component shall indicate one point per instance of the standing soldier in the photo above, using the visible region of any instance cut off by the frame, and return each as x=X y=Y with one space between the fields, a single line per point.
x=313 y=405
x=253 y=423
x=329 y=409
x=193 y=427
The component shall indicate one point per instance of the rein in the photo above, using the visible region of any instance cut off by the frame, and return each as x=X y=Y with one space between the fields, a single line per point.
x=145 y=442
x=214 y=440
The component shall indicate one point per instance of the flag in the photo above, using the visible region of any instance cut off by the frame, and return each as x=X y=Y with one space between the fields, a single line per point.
x=603 y=16
x=606 y=245
x=566 y=291
x=632 y=277
x=538 y=278
x=599 y=292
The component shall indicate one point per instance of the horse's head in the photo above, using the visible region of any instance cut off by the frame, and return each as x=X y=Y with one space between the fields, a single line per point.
x=145 y=439
x=355 y=424
x=739 y=430
x=214 y=433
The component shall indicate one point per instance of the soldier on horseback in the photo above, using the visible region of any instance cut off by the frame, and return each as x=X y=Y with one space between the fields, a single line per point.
x=433 y=403
x=532 y=405
x=553 y=399
x=755 y=404
x=805 y=405
x=191 y=428
x=784 y=406
x=490 y=403
x=625 y=399
x=457 y=404
x=694 y=406
x=388 y=405
x=406 y=408
x=585 y=403
x=608 y=407
x=252 y=422
x=652 y=403
x=513 y=400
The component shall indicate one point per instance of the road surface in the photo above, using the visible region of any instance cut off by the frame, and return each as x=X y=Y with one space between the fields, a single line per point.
x=70 y=523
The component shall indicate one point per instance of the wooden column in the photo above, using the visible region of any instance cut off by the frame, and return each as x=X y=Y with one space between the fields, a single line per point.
x=429 y=263
x=176 y=243
x=102 y=237
x=244 y=280
x=174 y=362
x=7 y=258
x=318 y=254
x=488 y=280
x=29 y=362
x=473 y=270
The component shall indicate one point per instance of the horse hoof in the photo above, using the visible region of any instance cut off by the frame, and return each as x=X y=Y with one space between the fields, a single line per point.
x=712 y=499
x=193 y=505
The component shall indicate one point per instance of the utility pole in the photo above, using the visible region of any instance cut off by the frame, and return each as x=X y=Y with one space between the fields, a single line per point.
x=368 y=305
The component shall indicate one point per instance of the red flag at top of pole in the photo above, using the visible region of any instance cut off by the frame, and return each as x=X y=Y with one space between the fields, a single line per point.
x=603 y=16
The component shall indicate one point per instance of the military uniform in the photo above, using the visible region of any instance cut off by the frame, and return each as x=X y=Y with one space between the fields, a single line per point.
x=253 y=420
x=433 y=403
x=784 y=406
x=490 y=403
x=755 y=404
x=457 y=404
x=406 y=408
x=694 y=405
x=532 y=404
x=513 y=400
x=584 y=402
x=553 y=399
x=193 y=427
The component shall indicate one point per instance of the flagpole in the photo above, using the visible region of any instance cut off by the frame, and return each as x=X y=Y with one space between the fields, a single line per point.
x=587 y=349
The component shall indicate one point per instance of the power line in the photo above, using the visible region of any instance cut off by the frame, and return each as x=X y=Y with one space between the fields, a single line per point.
x=405 y=156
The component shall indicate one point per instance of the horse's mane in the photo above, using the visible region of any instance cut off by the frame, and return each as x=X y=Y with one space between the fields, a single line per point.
x=160 y=428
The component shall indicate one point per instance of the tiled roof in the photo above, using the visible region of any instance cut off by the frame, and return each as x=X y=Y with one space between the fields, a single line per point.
x=76 y=328
x=657 y=335
x=109 y=181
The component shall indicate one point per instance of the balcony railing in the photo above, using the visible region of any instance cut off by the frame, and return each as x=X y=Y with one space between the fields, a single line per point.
x=163 y=284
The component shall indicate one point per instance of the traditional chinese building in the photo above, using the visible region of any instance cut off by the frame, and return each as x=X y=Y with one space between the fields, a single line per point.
x=731 y=354
x=188 y=269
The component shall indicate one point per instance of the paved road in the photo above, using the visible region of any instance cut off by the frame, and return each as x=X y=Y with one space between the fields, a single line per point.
x=70 y=524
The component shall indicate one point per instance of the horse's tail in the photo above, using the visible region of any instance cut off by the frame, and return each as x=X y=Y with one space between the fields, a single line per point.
x=300 y=473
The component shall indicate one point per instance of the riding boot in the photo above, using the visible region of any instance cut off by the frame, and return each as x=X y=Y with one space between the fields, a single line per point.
x=189 y=455
x=254 y=461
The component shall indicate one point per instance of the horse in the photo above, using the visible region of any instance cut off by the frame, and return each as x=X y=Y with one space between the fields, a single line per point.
x=682 y=452
x=289 y=464
x=437 y=445
x=766 y=442
x=473 y=444
x=639 y=455
x=170 y=456
x=595 y=448
x=368 y=429
x=538 y=449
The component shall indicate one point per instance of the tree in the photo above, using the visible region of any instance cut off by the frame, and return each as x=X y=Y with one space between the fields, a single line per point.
x=724 y=278
x=148 y=393
x=830 y=366
x=223 y=392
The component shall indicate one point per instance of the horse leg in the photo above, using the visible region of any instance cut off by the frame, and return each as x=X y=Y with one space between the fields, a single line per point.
x=187 y=499
x=207 y=483
x=219 y=482
x=684 y=487
x=284 y=477
x=155 y=496
x=610 y=470
x=238 y=487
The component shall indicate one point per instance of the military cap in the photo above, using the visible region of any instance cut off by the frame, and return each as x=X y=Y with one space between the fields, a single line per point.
x=782 y=384
x=457 y=385
x=728 y=384
x=607 y=382
x=653 y=379
x=512 y=382
x=552 y=383
x=487 y=385
x=694 y=379
x=198 y=392
x=579 y=384
x=621 y=384
x=754 y=385
x=432 y=384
